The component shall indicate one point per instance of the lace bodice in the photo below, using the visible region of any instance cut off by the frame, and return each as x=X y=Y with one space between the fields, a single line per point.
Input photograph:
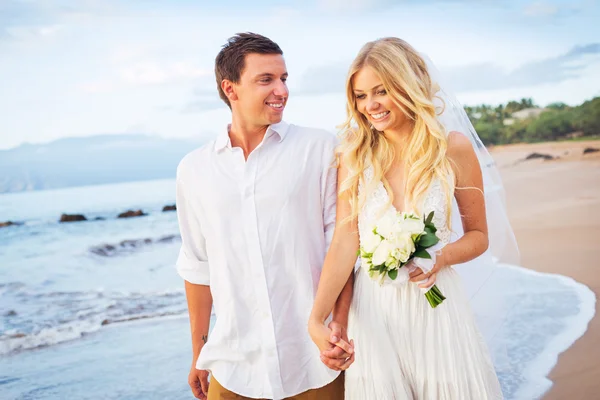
x=372 y=210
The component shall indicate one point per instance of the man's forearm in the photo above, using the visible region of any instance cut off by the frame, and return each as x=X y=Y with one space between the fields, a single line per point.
x=199 y=300
x=342 y=305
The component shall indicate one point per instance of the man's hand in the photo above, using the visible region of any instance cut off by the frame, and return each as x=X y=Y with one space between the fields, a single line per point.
x=198 y=381
x=321 y=336
x=337 y=357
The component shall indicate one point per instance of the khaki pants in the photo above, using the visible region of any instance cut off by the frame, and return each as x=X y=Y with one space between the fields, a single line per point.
x=333 y=391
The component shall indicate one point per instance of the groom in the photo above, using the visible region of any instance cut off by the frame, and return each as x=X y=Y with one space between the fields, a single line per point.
x=256 y=211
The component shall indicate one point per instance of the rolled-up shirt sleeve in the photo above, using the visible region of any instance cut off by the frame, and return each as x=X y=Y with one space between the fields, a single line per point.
x=192 y=263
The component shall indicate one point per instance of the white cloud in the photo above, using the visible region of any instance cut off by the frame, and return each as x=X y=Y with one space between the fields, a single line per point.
x=324 y=79
x=152 y=73
x=541 y=9
x=147 y=74
x=553 y=70
x=354 y=5
x=203 y=104
x=376 y=5
x=557 y=8
x=96 y=87
x=21 y=32
x=285 y=13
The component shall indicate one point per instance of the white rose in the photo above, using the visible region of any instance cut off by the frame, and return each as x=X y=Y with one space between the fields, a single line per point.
x=383 y=252
x=404 y=246
x=369 y=242
x=392 y=263
x=414 y=226
x=385 y=226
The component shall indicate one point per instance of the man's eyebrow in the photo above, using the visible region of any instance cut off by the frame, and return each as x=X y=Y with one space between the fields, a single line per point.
x=373 y=88
x=268 y=75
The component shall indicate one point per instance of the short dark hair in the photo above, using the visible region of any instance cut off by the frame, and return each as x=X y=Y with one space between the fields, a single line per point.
x=230 y=61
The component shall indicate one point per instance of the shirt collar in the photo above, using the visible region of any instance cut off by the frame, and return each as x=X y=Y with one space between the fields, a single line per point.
x=280 y=129
x=223 y=142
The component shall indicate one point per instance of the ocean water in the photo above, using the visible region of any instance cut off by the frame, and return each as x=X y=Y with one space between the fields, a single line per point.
x=95 y=309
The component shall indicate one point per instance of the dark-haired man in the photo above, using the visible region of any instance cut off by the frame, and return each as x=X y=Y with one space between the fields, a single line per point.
x=256 y=210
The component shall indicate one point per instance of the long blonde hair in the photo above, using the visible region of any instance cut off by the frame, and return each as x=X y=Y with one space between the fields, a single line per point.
x=406 y=79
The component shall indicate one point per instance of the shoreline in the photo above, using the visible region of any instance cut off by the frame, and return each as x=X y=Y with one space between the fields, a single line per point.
x=552 y=206
x=540 y=384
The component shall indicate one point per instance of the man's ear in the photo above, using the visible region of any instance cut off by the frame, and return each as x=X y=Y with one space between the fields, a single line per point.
x=228 y=88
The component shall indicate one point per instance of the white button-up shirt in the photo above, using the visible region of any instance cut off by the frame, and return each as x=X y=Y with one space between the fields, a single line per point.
x=257 y=231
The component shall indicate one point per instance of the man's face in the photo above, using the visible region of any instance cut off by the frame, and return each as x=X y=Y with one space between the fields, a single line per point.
x=262 y=93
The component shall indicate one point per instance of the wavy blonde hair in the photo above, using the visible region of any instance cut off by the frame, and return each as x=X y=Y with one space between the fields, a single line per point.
x=405 y=78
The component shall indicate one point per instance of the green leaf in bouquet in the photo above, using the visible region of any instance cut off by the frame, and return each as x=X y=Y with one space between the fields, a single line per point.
x=428 y=240
x=430 y=229
x=429 y=218
x=393 y=274
x=422 y=253
x=378 y=268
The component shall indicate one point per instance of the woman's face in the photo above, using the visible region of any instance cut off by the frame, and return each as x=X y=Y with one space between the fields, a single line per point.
x=374 y=102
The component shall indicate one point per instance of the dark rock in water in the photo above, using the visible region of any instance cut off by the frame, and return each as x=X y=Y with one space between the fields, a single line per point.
x=72 y=218
x=9 y=223
x=133 y=243
x=105 y=322
x=589 y=150
x=168 y=239
x=108 y=250
x=99 y=219
x=129 y=245
x=533 y=156
x=131 y=213
x=104 y=250
x=10 y=313
x=170 y=208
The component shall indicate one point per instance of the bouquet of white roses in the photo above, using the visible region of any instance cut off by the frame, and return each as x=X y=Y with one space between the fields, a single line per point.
x=396 y=240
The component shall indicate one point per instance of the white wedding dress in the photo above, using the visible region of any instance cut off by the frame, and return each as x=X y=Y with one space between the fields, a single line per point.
x=404 y=348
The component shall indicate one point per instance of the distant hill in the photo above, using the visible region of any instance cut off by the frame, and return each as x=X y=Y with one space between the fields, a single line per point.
x=90 y=160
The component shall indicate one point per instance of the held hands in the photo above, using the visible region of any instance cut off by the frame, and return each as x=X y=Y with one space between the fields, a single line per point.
x=417 y=275
x=337 y=352
x=198 y=381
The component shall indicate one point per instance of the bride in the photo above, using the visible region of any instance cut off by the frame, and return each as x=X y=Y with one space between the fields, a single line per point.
x=397 y=155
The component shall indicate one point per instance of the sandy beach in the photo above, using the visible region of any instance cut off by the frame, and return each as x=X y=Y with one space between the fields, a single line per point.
x=554 y=208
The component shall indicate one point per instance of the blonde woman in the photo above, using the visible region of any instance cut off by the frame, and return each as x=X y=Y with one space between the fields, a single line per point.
x=397 y=155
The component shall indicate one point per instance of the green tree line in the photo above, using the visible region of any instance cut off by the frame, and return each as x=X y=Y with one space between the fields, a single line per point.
x=498 y=125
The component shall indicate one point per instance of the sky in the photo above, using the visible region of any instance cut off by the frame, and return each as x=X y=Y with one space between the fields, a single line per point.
x=87 y=67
